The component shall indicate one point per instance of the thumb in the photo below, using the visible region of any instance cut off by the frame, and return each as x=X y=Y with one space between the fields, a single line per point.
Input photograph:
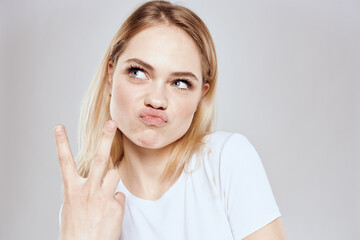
x=120 y=197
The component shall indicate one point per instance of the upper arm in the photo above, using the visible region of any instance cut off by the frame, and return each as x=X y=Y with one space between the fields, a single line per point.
x=249 y=202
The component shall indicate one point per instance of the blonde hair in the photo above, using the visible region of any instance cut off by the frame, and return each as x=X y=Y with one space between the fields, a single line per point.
x=95 y=109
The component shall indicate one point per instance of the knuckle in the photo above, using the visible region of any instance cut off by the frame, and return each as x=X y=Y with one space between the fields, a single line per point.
x=101 y=198
x=105 y=133
x=63 y=158
x=99 y=159
x=61 y=139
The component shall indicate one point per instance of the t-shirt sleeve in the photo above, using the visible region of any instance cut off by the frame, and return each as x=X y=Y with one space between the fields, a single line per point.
x=248 y=198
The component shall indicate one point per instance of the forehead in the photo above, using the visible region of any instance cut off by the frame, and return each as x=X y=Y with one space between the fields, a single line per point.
x=166 y=47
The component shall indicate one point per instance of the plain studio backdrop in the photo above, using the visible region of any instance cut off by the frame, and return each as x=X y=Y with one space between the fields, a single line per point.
x=288 y=81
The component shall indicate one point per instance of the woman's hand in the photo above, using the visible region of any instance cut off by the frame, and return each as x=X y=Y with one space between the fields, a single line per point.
x=90 y=209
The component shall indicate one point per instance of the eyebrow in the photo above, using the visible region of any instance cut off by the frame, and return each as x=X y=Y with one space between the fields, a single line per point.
x=174 y=74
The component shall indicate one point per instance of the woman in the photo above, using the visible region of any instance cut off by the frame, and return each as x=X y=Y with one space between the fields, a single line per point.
x=154 y=92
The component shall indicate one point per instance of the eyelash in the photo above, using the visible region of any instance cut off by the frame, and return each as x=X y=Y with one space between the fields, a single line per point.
x=138 y=68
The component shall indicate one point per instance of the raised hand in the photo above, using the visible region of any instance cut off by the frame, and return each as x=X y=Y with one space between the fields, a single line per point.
x=90 y=209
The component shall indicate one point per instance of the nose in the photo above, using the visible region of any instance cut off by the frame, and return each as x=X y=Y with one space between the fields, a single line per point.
x=156 y=97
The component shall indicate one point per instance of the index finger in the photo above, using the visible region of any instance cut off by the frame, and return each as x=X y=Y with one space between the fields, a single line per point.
x=66 y=159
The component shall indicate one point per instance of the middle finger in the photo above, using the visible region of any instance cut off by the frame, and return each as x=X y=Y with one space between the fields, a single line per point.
x=102 y=153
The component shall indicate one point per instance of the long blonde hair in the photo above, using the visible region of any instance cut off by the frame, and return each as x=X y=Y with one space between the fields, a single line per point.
x=95 y=110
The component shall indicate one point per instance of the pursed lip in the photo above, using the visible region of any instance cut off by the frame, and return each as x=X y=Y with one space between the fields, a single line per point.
x=153 y=116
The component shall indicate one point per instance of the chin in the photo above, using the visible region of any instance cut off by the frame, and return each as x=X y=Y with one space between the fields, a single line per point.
x=150 y=138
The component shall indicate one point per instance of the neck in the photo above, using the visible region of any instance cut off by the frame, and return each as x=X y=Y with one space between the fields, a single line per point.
x=141 y=170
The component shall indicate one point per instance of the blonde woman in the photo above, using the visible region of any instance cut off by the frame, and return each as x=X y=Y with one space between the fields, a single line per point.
x=150 y=167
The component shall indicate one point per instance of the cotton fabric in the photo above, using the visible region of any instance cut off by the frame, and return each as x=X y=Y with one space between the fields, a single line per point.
x=223 y=193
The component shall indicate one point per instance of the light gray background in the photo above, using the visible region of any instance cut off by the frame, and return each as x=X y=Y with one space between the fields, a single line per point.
x=289 y=81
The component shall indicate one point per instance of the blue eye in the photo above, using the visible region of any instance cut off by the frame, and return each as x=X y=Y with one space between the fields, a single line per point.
x=136 y=72
x=182 y=84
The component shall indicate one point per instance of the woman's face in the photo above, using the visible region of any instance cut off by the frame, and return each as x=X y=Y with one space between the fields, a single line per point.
x=156 y=86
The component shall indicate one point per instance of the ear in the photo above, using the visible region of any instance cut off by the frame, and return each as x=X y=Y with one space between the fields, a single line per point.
x=205 y=89
x=110 y=69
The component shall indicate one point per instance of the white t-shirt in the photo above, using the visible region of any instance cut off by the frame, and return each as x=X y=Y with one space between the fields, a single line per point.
x=227 y=196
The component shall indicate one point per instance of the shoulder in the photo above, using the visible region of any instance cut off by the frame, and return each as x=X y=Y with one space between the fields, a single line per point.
x=232 y=156
x=220 y=143
x=228 y=151
x=224 y=153
x=221 y=138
